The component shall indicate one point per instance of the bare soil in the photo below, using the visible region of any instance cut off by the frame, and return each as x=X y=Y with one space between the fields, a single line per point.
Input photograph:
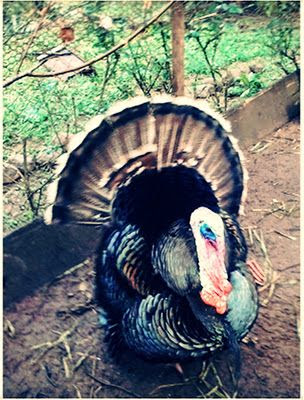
x=73 y=362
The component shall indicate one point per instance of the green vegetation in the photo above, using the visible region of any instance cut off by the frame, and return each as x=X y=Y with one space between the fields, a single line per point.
x=43 y=109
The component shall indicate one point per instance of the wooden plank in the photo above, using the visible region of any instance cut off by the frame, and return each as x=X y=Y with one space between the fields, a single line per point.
x=37 y=253
x=266 y=112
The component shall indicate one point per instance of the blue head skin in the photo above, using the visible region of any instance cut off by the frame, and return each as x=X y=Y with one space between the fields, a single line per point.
x=207 y=233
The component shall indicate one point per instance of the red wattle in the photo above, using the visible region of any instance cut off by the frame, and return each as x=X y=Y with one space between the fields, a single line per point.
x=221 y=307
x=216 y=287
x=227 y=287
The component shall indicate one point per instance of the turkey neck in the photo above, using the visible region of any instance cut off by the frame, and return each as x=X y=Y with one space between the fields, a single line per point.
x=174 y=258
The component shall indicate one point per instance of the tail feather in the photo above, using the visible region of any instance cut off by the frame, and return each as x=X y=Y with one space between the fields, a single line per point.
x=143 y=134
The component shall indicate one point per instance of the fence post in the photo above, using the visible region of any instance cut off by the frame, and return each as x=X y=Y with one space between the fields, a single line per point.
x=178 y=32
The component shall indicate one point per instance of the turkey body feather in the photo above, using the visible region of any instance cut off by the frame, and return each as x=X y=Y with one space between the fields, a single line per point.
x=168 y=181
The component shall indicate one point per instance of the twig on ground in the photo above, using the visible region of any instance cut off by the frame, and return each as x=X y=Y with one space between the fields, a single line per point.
x=218 y=389
x=67 y=349
x=92 y=357
x=290 y=266
x=160 y=387
x=80 y=361
x=78 y=393
x=94 y=363
x=271 y=276
x=48 y=374
x=278 y=210
x=79 y=310
x=97 y=391
x=275 y=278
x=285 y=235
x=92 y=390
x=9 y=328
x=298 y=320
x=66 y=367
x=249 y=229
x=68 y=272
x=49 y=345
x=112 y=385
x=260 y=146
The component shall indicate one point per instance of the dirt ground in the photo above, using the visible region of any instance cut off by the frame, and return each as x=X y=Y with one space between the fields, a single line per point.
x=53 y=345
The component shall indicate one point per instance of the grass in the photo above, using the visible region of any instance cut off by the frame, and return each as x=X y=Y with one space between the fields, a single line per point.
x=41 y=109
x=235 y=45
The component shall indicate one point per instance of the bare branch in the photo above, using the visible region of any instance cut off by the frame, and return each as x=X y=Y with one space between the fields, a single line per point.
x=16 y=78
x=204 y=17
x=28 y=191
x=34 y=34
x=110 y=70
x=30 y=73
x=52 y=122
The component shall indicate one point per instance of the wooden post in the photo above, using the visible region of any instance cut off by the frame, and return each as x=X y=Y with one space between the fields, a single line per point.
x=178 y=32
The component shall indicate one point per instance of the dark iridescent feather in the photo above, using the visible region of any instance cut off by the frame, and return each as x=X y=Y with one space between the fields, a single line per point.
x=151 y=329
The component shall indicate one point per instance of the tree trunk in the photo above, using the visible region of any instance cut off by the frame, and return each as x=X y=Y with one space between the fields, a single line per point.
x=178 y=31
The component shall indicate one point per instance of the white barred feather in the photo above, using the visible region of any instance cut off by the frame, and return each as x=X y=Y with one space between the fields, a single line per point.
x=235 y=143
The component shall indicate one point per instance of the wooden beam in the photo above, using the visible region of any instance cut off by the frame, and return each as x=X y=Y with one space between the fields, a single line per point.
x=178 y=33
x=35 y=254
x=272 y=108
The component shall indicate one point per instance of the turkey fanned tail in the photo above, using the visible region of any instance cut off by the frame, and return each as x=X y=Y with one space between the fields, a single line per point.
x=145 y=134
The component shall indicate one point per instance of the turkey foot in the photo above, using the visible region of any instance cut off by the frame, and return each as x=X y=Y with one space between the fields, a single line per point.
x=256 y=271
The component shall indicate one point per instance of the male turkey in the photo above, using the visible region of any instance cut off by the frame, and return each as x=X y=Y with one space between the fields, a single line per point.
x=167 y=181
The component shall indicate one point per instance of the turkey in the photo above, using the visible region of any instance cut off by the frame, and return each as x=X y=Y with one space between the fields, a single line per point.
x=167 y=181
